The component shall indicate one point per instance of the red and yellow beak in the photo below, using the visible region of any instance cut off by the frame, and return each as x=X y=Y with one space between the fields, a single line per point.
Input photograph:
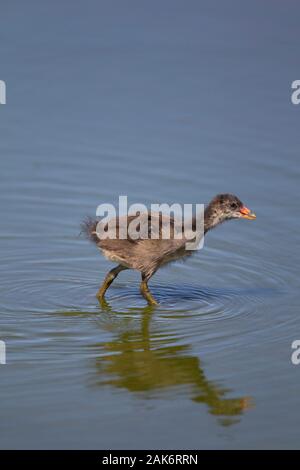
x=247 y=214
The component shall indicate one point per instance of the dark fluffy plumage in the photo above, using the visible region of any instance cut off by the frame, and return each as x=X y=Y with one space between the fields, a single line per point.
x=146 y=254
x=88 y=228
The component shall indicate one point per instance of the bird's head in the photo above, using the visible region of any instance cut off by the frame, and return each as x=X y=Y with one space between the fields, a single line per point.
x=225 y=207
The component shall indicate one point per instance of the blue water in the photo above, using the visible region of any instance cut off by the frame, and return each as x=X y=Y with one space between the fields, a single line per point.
x=164 y=102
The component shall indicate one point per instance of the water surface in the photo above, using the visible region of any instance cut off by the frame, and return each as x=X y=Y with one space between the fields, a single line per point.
x=169 y=102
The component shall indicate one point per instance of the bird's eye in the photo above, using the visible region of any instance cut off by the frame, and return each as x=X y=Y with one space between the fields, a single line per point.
x=233 y=205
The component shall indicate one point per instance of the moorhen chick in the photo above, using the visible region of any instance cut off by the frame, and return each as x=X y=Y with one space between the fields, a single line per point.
x=148 y=255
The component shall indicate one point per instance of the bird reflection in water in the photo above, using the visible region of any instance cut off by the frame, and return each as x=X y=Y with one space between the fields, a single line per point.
x=147 y=363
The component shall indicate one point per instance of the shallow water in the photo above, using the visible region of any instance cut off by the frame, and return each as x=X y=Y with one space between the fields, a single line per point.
x=164 y=104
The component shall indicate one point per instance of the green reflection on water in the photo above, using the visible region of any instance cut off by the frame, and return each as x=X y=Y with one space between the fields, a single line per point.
x=146 y=363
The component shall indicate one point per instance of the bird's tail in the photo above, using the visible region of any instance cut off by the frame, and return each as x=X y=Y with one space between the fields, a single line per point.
x=88 y=228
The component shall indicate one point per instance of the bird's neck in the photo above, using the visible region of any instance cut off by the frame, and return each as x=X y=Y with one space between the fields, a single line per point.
x=211 y=218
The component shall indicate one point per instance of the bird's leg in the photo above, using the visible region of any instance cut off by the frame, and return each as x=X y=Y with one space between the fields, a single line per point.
x=146 y=292
x=108 y=280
